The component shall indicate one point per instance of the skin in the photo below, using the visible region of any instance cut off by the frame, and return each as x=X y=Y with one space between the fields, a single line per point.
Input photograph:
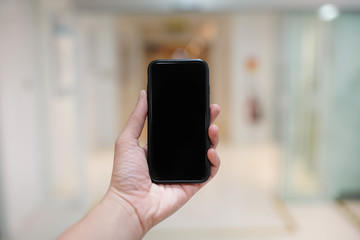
x=133 y=204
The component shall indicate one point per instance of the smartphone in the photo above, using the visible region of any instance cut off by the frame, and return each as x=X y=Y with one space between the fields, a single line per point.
x=178 y=121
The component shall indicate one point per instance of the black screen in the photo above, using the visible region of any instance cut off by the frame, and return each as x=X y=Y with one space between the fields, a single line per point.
x=178 y=120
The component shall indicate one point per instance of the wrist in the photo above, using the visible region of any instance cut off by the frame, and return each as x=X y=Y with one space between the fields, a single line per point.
x=112 y=218
x=125 y=212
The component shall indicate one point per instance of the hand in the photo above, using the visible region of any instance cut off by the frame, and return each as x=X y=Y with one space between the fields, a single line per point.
x=131 y=184
x=133 y=204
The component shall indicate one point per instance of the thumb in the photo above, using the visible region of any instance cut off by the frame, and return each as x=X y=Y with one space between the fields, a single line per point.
x=136 y=121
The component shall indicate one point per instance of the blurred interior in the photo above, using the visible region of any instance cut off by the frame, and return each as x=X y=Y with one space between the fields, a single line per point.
x=286 y=75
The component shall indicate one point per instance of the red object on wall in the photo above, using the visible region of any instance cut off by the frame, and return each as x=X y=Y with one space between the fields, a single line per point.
x=253 y=109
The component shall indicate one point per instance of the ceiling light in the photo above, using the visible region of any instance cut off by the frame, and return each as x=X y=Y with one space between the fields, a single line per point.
x=328 y=12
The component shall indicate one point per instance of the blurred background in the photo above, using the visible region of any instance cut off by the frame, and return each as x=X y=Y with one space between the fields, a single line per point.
x=285 y=73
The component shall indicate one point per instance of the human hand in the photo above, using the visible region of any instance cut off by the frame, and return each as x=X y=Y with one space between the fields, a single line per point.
x=131 y=184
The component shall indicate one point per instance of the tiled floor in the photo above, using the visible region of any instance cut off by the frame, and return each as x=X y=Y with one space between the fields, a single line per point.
x=240 y=203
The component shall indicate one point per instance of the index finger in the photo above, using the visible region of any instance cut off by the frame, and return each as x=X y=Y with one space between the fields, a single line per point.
x=214 y=112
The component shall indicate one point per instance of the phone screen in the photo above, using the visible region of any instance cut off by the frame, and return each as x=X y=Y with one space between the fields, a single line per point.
x=178 y=120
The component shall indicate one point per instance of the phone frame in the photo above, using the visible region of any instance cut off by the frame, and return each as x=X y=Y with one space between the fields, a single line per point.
x=207 y=119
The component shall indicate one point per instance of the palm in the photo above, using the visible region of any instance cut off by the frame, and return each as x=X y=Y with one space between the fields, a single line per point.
x=131 y=178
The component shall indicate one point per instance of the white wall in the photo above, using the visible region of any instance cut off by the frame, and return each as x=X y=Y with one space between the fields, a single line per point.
x=20 y=170
x=252 y=35
x=99 y=80
x=65 y=164
x=42 y=158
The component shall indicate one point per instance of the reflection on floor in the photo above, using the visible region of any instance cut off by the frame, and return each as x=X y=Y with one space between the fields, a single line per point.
x=240 y=203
